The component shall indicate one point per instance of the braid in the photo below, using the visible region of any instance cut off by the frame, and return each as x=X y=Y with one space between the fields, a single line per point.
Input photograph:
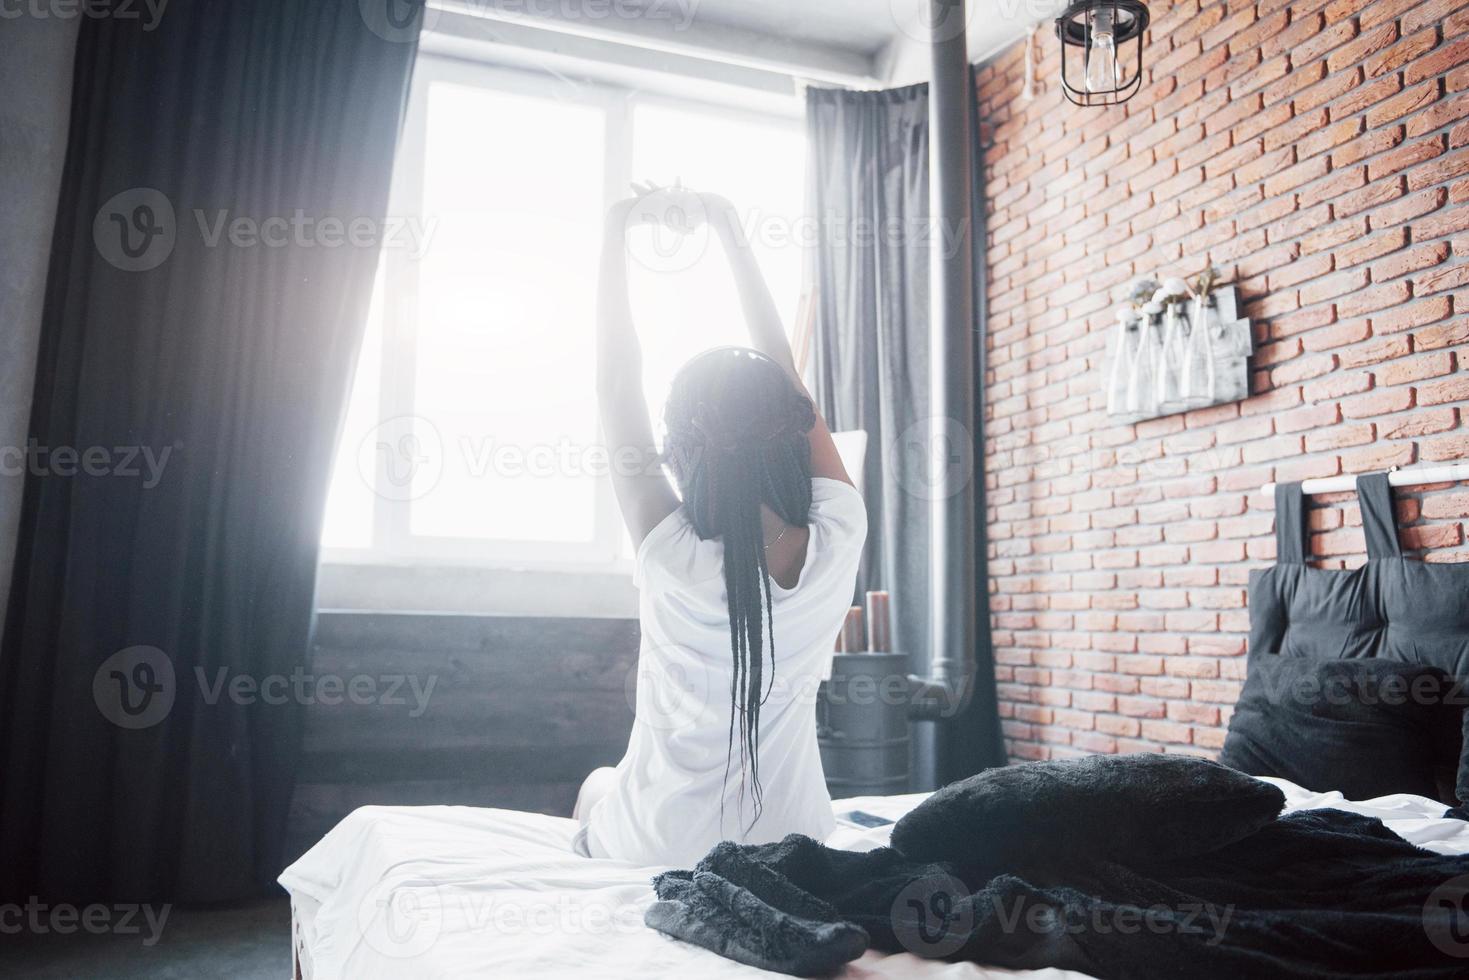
x=737 y=443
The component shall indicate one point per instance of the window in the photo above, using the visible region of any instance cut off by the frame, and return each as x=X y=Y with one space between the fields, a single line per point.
x=471 y=435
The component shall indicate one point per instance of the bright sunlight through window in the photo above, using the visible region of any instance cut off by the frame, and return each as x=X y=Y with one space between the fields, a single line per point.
x=471 y=435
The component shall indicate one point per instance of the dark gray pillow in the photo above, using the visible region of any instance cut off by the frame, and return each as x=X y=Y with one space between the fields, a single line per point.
x=1130 y=809
x=1367 y=727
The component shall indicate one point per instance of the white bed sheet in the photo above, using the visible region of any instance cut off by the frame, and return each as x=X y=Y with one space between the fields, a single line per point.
x=442 y=891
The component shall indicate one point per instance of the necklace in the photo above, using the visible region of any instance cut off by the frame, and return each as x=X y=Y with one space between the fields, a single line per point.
x=778 y=537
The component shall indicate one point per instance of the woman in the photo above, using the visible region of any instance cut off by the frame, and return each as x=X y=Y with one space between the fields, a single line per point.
x=742 y=586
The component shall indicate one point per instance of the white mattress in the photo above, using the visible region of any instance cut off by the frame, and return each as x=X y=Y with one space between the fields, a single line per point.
x=443 y=891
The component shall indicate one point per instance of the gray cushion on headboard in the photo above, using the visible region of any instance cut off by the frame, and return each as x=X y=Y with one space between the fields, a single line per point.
x=1393 y=608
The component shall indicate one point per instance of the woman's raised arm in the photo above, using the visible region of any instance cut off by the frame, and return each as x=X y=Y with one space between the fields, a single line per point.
x=767 y=332
x=643 y=494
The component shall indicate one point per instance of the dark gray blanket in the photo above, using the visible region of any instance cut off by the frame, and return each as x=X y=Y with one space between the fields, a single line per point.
x=1319 y=893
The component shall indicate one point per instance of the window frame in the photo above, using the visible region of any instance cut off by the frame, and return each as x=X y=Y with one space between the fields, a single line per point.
x=392 y=541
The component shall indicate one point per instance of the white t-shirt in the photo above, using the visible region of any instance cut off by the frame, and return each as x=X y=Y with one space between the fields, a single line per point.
x=664 y=807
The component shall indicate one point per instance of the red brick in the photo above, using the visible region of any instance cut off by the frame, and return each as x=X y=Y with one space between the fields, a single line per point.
x=1409 y=260
x=1362 y=48
x=1441 y=392
x=1364 y=97
x=1446 y=506
x=1411 y=315
x=1301 y=320
x=1374 y=12
x=1376 y=352
x=1449 y=110
x=1370 y=196
x=1318 y=44
x=1444 y=335
x=1441 y=170
x=1167 y=731
x=1293 y=177
x=1300 y=271
x=1372 y=247
x=1378 y=457
x=1334 y=194
x=1376 y=298
x=1370 y=144
x=1337 y=385
x=1450 y=276
x=1340 y=335
x=1339 y=437
x=1418 y=424
x=1446 y=57
x=1444 y=448
x=1410 y=100
x=1334 y=86
x=1433 y=365
x=1429 y=12
x=1331 y=286
x=1406 y=52
x=1408 y=208
x=1404 y=157
x=1383 y=402
x=1442 y=536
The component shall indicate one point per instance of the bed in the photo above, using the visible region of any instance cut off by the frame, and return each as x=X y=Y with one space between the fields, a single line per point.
x=441 y=891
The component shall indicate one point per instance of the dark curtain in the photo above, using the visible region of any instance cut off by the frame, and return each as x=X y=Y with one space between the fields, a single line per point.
x=869 y=191
x=190 y=386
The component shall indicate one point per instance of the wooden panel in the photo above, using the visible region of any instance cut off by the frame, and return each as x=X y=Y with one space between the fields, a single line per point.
x=496 y=711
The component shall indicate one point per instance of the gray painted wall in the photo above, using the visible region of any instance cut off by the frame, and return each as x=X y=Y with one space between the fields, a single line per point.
x=35 y=98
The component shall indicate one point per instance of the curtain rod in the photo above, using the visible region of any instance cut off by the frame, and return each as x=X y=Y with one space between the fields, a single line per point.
x=1451 y=473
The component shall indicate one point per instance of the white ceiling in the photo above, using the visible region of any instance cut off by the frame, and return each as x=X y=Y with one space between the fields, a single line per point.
x=874 y=29
x=873 y=42
x=860 y=26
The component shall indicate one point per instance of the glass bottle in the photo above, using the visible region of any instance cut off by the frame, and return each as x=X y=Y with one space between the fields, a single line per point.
x=1200 y=364
x=1142 y=387
x=1124 y=349
x=1170 y=359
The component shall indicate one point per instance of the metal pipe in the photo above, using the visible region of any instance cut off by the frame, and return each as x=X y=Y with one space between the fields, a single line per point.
x=953 y=518
x=1451 y=473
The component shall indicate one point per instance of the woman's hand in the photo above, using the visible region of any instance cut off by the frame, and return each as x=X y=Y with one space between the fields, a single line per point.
x=677 y=208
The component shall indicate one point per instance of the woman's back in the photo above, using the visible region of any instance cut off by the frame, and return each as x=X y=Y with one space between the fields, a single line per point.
x=724 y=746
x=682 y=787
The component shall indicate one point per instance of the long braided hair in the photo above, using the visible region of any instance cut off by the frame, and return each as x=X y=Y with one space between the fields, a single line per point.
x=736 y=439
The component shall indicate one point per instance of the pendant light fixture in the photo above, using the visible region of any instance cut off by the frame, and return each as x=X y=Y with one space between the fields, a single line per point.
x=1102 y=50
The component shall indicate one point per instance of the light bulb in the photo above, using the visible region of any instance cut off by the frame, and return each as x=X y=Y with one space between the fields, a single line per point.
x=1101 y=63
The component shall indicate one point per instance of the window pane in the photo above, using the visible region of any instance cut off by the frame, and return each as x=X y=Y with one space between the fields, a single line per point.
x=683 y=307
x=349 y=506
x=505 y=315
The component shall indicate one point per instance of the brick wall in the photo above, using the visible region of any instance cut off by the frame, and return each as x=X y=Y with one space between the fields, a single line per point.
x=1318 y=153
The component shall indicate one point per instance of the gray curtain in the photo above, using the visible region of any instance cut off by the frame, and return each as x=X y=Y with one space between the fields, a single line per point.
x=869 y=194
x=227 y=364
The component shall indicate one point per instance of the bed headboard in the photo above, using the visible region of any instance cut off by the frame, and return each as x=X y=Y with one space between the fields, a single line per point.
x=1392 y=607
